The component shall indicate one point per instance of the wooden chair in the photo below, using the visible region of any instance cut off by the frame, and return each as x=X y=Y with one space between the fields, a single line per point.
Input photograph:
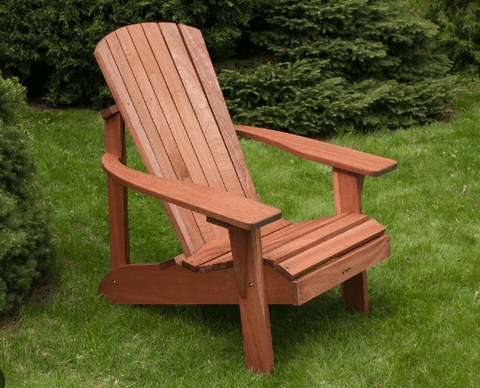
x=236 y=250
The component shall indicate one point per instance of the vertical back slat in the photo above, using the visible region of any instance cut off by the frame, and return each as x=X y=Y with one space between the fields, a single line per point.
x=206 y=73
x=193 y=87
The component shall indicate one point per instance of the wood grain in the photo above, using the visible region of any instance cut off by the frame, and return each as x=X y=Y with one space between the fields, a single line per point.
x=347 y=191
x=182 y=220
x=151 y=284
x=338 y=271
x=330 y=154
x=167 y=126
x=254 y=312
x=291 y=248
x=334 y=247
x=270 y=242
x=219 y=161
x=117 y=195
x=218 y=204
x=221 y=247
x=201 y=60
x=166 y=90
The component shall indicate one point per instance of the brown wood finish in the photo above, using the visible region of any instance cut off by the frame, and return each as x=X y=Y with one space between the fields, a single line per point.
x=295 y=246
x=296 y=237
x=347 y=192
x=273 y=236
x=198 y=52
x=217 y=204
x=236 y=250
x=338 y=271
x=156 y=283
x=117 y=195
x=221 y=247
x=178 y=149
x=109 y=112
x=254 y=313
x=329 y=154
x=334 y=247
x=189 y=237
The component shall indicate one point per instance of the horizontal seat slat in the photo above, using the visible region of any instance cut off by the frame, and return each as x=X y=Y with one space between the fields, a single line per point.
x=221 y=246
x=294 y=232
x=315 y=283
x=272 y=240
x=334 y=247
x=284 y=251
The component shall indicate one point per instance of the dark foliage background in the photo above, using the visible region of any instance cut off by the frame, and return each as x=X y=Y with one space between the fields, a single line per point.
x=49 y=45
x=339 y=65
x=309 y=67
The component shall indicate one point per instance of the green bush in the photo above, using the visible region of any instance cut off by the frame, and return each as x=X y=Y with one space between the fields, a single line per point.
x=24 y=215
x=459 y=35
x=339 y=65
x=50 y=44
x=12 y=97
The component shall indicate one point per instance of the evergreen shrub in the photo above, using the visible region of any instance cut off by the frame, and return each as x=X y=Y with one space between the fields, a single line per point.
x=49 y=45
x=339 y=65
x=24 y=214
x=459 y=36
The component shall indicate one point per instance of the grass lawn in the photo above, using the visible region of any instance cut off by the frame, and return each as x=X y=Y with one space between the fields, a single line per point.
x=424 y=328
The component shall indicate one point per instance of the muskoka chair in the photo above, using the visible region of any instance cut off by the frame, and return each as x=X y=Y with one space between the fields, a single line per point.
x=236 y=250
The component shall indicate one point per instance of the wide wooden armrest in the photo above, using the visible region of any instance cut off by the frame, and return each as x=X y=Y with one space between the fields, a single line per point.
x=318 y=151
x=219 y=206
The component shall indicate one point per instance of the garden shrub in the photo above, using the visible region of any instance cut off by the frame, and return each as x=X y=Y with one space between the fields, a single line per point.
x=50 y=44
x=339 y=65
x=24 y=214
x=459 y=35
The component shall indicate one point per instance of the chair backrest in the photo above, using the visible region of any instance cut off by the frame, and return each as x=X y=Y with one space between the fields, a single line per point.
x=166 y=89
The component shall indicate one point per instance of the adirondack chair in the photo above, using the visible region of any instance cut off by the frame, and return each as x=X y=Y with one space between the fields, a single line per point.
x=236 y=249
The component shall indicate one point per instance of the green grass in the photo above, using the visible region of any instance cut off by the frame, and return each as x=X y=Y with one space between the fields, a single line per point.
x=424 y=328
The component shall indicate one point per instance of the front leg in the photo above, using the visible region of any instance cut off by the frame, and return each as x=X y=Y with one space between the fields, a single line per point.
x=347 y=190
x=249 y=277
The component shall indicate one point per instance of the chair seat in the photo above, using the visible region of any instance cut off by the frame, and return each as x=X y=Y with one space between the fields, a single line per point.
x=295 y=249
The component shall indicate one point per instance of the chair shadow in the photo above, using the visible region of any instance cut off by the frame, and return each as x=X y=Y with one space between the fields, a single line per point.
x=326 y=316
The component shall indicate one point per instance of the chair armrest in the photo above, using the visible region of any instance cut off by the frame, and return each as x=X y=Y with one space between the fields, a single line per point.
x=339 y=157
x=109 y=112
x=219 y=206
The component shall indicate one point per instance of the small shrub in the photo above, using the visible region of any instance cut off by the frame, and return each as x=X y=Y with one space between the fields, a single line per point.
x=24 y=214
x=12 y=97
x=340 y=65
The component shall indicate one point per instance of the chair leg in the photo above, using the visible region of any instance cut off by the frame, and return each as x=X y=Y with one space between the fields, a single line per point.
x=118 y=224
x=117 y=195
x=257 y=336
x=347 y=189
x=354 y=292
x=248 y=261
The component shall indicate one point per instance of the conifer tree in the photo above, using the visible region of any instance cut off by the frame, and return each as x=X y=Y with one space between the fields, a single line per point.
x=340 y=65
